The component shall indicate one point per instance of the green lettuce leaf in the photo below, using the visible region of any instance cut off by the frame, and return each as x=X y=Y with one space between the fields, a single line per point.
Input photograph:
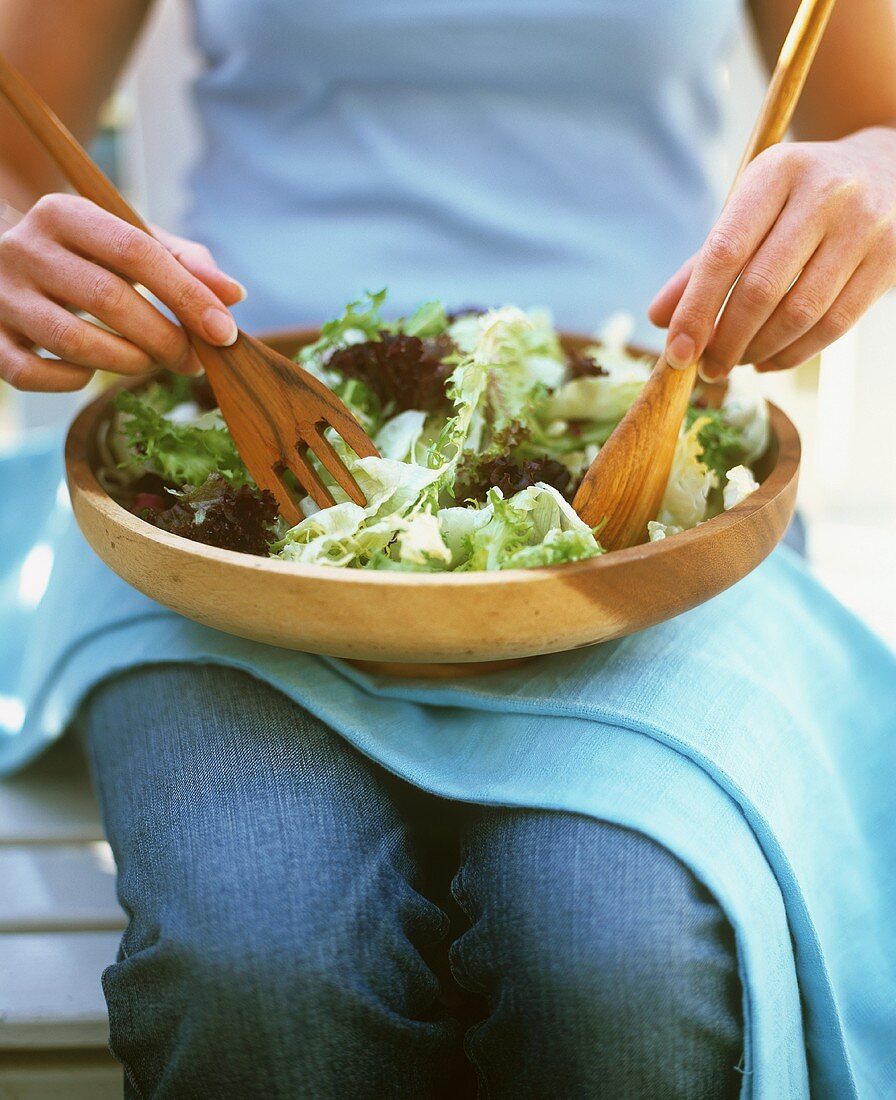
x=659 y=531
x=389 y=486
x=497 y=386
x=604 y=399
x=722 y=442
x=360 y=399
x=427 y=321
x=746 y=410
x=348 y=534
x=578 y=416
x=182 y=453
x=421 y=543
x=556 y=547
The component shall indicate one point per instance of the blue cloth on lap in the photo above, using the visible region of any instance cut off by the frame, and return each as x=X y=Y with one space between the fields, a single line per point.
x=755 y=737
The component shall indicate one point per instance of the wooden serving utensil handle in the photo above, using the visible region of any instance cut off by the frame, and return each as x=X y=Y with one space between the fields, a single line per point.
x=786 y=84
x=73 y=161
x=624 y=486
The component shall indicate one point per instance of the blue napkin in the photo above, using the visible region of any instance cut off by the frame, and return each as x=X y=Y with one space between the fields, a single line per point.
x=754 y=737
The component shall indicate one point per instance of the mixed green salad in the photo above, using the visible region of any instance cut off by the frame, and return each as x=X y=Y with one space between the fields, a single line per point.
x=485 y=425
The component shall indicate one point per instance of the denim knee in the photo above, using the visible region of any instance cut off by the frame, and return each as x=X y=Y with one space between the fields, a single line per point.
x=609 y=970
x=304 y=990
x=225 y=1013
x=273 y=948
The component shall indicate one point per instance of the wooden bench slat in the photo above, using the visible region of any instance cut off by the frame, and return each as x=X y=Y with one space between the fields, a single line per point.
x=51 y=801
x=50 y=992
x=60 y=1075
x=58 y=887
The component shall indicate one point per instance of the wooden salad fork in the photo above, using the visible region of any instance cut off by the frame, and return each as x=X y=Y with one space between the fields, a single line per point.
x=625 y=483
x=276 y=411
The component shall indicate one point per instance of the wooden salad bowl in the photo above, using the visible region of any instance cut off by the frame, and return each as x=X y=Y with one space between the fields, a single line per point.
x=440 y=624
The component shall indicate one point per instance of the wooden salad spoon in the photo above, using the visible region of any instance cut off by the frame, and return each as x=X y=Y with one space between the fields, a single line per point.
x=625 y=483
x=276 y=411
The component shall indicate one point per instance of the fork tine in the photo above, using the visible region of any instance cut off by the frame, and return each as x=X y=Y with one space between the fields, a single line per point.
x=308 y=477
x=344 y=424
x=274 y=484
x=329 y=458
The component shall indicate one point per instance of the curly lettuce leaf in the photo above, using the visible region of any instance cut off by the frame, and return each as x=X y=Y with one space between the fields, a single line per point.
x=579 y=416
x=360 y=320
x=421 y=543
x=533 y=527
x=722 y=442
x=181 y=453
x=348 y=534
x=218 y=514
x=168 y=392
x=345 y=535
x=363 y=320
x=497 y=386
x=525 y=359
x=331 y=536
x=361 y=401
x=554 y=549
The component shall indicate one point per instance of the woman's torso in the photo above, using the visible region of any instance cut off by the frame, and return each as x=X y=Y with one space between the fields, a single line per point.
x=551 y=152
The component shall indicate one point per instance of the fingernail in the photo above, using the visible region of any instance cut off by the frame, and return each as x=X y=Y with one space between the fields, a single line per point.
x=244 y=294
x=220 y=327
x=680 y=351
x=194 y=364
x=705 y=375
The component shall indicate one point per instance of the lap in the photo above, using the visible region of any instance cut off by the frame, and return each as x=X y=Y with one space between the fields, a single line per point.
x=275 y=868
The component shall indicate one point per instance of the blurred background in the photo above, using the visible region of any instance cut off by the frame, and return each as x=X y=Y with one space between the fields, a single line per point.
x=844 y=405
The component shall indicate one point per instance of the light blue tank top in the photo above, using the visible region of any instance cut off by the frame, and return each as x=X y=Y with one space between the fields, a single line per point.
x=548 y=152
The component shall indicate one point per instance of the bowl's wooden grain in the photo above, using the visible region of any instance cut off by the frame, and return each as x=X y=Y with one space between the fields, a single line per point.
x=418 y=621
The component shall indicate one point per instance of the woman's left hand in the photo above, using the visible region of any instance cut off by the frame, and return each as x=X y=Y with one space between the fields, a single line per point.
x=807 y=241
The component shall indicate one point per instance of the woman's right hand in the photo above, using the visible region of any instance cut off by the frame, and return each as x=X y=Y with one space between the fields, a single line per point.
x=68 y=254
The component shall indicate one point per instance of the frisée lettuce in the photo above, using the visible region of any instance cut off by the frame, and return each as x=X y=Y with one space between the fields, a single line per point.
x=485 y=423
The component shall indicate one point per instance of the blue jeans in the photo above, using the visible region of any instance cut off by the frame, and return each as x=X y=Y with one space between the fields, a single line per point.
x=303 y=924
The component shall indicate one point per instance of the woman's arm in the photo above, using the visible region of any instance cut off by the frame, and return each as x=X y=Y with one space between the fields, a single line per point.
x=852 y=83
x=808 y=238
x=66 y=254
x=72 y=54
